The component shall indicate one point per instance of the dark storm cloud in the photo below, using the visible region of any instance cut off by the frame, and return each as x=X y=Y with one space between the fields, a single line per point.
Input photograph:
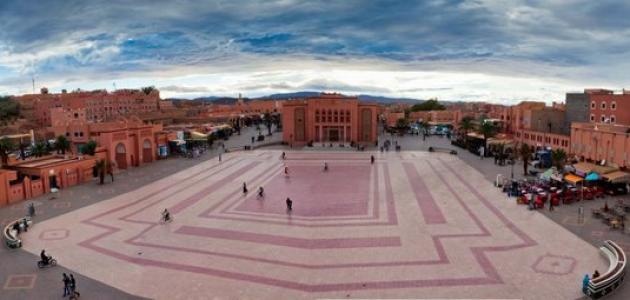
x=60 y=37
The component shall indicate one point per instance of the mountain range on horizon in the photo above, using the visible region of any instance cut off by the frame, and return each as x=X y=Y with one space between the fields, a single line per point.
x=300 y=95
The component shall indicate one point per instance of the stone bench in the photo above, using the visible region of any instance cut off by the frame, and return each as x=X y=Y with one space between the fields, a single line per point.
x=614 y=276
x=11 y=236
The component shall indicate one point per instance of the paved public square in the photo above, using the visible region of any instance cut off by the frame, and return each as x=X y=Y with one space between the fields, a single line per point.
x=413 y=225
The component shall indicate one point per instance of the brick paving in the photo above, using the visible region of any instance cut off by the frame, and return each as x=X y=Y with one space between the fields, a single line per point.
x=552 y=263
x=47 y=284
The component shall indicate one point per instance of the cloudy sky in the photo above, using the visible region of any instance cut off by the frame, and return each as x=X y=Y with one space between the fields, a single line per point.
x=480 y=50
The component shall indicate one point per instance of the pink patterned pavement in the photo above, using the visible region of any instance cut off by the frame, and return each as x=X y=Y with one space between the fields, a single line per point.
x=413 y=225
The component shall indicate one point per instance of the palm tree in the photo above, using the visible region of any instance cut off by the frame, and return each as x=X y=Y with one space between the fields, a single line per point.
x=559 y=157
x=268 y=122
x=466 y=125
x=424 y=125
x=6 y=146
x=39 y=149
x=488 y=130
x=525 y=153
x=62 y=144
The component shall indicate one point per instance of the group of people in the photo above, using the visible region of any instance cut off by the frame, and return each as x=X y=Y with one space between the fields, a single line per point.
x=261 y=195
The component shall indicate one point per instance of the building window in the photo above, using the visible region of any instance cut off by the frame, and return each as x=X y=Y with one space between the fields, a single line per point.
x=613 y=119
x=613 y=105
x=602 y=119
x=592 y=118
x=593 y=105
x=67 y=133
x=76 y=115
x=603 y=105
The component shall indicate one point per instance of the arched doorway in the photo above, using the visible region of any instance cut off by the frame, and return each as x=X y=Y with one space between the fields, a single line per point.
x=121 y=156
x=147 y=151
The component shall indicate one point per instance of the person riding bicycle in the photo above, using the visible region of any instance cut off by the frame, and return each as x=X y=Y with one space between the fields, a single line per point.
x=45 y=258
x=166 y=216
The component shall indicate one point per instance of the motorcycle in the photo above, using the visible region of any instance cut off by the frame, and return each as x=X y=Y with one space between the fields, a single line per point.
x=51 y=263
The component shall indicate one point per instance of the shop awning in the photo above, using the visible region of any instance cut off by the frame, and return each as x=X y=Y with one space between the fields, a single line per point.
x=592 y=177
x=574 y=179
x=618 y=177
x=583 y=167
x=604 y=169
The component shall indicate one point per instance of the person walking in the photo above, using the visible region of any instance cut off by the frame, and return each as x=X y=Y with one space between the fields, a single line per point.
x=31 y=210
x=283 y=155
x=73 y=286
x=550 y=202
x=286 y=171
x=261 y=192
x=325 y=166
x=219 y=157
x=481 y=152
x=244 y=188
x=289 y=204
x=372 y=159
x=110 y=170
x=252 y=139
x=66 y=285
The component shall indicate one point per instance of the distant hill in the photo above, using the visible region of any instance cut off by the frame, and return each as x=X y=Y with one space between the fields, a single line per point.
x=300 y=95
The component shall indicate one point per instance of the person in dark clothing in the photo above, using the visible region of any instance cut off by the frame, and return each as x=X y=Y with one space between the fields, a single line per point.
x=261 y=192
x=289 y=204
x=283 y=155
x=595 y=274
x=31 y=210
x=325 y=166
x=244 y=188
x=16 y=226
x=73 y=286
x=66 y=285
x=372 y=159
x=44 y=257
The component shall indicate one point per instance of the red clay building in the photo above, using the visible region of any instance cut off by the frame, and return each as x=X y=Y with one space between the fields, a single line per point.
x=98 y=106
x=329 y=118
x=608 y=107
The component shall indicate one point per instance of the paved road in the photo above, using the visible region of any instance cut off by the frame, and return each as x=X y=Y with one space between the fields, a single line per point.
x=18 y=267
x=19 y=276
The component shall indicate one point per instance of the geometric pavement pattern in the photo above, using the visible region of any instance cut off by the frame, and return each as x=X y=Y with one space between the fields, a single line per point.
x=412 y=224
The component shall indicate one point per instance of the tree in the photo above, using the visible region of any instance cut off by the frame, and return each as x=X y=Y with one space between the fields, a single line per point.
x=401 y=123
x=559 y=157
x=525 y=152
x=488 y=130
x=466 y=126
x=39 y=149
x=62 y=144
x=428 y=105
x=268 y=122
x=424 y=125
x=148 y=89
x=6 y=146
x=90 y=148
x=9 y=109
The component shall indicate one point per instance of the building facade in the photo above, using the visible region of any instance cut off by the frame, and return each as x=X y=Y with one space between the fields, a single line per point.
x=597 y=142
x=607 y=106
x=577 y=110
x=98 y=106
x=329 y=118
